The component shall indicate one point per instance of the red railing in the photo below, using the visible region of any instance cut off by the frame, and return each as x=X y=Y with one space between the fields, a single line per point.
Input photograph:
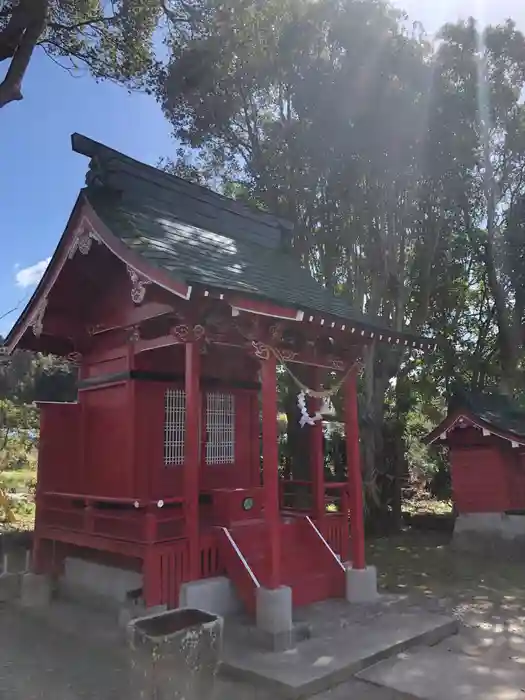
x=129 y=519
x=210 y=560
x=168 y=570
x=335 y=531
x=297 y=495
x=336 y=496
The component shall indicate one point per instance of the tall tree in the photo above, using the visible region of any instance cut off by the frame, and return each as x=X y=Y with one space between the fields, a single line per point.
x=479 y=114
x=320 y=110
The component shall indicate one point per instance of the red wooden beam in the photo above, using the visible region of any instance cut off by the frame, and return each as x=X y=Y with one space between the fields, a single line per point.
x=316 y=452
x=355 y=480
x=153 y=343
x=305 y=357
x=192 y=454
x=132 y=316
x=55 y=324
x=271 y=467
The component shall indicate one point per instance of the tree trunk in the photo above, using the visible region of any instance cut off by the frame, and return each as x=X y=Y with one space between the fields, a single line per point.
x=376 y=378
x=298 y=445
x=507 y=337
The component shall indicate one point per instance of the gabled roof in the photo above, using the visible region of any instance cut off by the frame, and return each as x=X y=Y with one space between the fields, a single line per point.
x=200 y=236
x=187 y=234
x=490 y=411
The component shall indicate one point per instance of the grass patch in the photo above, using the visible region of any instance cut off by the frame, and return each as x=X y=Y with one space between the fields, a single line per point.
x=19 y=486
x=24 y=512
x=18 y=480
x=427 y=506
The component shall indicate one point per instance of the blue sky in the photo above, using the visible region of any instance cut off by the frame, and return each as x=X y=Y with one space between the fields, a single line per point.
x=40 y=176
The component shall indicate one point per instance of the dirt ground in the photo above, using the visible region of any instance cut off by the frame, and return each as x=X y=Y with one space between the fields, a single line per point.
x=78 y=656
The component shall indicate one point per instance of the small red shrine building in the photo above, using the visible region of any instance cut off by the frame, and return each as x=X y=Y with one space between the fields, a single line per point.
x=485 y=435
x=178 y=304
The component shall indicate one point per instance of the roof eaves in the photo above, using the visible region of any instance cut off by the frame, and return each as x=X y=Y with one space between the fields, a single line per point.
x=477 y=421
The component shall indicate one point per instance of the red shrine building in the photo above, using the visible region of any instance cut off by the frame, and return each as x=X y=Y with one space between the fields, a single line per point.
x=485 y=437
x=179 y=307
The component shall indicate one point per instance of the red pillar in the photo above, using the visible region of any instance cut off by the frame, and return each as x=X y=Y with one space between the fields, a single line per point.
x=355 y=481
x=316 y=454
x=192 y=454
x=271 y=467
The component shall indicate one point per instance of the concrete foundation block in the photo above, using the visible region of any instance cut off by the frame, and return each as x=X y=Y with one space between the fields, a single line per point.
x=274 y=617
x=215 y=595
x=36 y=590
x=361 y=585
x=84 y=578
x=10 y=585
x=496 y=535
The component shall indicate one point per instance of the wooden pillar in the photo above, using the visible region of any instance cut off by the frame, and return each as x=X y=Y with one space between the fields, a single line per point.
x=355 y=481
x=270 y=452
x=316 y=453
x=192 y=454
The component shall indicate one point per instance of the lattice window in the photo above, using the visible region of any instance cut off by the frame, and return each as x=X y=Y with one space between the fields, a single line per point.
x=174 y=418
x=220 y=429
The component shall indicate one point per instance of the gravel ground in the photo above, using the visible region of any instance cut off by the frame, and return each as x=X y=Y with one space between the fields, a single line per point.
x=77 y=655
x=39 y=661
x=55 y=661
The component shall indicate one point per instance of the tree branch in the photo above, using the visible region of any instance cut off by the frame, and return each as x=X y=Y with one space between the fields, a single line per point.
x=11 y=87
x=80 y=25
x=192 y=13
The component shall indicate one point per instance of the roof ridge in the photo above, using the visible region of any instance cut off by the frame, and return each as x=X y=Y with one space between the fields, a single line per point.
x=88 y=147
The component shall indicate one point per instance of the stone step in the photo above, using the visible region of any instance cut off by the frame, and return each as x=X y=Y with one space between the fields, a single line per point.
x=321 y=663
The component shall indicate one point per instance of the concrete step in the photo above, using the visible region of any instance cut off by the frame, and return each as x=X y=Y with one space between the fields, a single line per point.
x=323 y=662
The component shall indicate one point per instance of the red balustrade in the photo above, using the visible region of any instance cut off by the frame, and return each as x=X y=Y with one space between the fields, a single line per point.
x=115 y=518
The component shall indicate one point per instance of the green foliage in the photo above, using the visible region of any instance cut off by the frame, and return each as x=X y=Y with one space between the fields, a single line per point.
x=25 y=378
x=111 y=39
x=401 y=166
x=18 y=435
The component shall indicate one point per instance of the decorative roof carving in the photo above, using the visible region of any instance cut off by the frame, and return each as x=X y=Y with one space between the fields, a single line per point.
x=37 y=322
x=83 y=239
x=138 y=282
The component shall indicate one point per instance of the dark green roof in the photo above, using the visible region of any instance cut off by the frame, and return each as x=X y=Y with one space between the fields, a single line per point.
x=203 y=238
x=497 y=410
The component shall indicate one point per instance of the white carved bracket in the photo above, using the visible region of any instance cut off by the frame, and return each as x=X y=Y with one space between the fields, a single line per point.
x=83 y=238
x=37 y=322
x=138 y=288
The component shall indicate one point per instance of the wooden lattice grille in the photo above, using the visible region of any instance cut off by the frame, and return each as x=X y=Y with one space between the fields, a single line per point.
x=174 y=419
x=220 y=428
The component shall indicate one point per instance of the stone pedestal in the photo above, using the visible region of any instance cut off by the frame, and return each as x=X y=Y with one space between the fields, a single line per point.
x=174 y=655
x=36 y=590
x=361 y=585
x=274 y=617
x=216 y=595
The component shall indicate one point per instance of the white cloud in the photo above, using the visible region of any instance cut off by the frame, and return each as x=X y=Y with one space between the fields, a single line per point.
x=30 y=276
